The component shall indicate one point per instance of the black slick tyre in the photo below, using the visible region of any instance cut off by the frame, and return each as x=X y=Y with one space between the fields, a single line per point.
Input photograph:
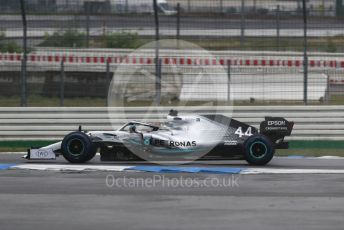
x=258 y=150
x=77 y=147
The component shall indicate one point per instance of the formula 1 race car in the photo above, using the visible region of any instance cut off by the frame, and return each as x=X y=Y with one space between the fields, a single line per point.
x=186 y=137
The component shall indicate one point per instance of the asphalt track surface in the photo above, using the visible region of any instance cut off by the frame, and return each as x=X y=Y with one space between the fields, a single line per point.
x=32 y=199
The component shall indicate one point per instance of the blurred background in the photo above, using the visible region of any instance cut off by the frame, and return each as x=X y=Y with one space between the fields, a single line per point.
x=65 y=52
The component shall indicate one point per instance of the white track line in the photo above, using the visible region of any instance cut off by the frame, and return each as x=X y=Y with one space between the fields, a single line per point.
x=330 y=158
x=310 y=158
x=59 y=167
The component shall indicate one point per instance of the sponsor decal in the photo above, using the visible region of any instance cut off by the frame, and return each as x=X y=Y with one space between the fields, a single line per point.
x=230 y=143
x=42 y=154
x=157 y=142
x=276 y=128
x=182 y=143
x=146 y=141
x=276 y=123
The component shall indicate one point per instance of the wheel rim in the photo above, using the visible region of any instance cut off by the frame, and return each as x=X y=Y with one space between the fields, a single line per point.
x=75 y=147
x=258 y=149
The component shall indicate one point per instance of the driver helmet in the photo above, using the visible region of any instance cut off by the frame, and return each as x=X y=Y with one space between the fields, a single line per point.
x=132 y=129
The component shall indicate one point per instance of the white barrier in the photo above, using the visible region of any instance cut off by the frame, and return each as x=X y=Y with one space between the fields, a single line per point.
x=212 y=33
x=311 y=122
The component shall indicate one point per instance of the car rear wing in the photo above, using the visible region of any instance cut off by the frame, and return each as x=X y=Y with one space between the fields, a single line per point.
x=276 y=128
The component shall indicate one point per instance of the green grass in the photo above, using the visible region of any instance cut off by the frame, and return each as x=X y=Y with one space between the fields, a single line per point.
x=40 y=101
x=328 y=44
x=323 y=44
x=313 y=148
x=311 y=152
x=336 y=100
x=22 y=146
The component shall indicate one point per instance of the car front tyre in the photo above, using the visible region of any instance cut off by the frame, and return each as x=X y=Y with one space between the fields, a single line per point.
x=77 y=147
x=258 y=150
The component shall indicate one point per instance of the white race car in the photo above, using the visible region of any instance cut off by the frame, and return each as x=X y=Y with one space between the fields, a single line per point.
x=190 y=137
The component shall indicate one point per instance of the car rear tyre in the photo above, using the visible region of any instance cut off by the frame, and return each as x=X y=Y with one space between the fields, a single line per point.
x=258 y=150
x=77 y=147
